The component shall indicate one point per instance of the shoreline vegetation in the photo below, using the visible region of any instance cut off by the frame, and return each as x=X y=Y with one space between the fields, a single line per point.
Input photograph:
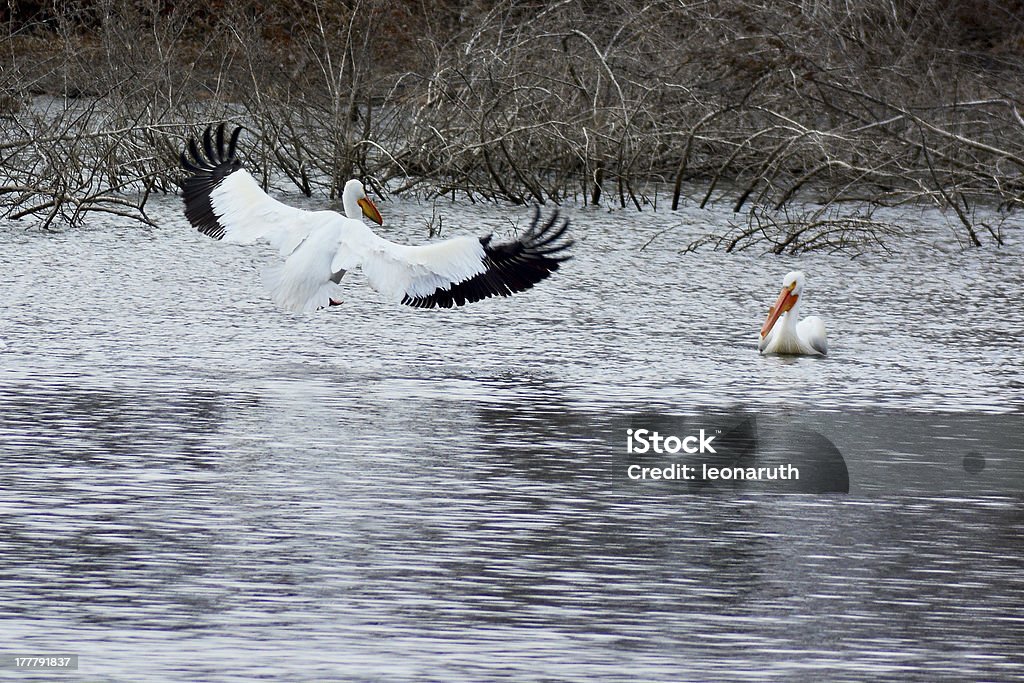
x=758 y=106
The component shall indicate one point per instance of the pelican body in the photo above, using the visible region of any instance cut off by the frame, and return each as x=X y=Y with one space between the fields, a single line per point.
x=782 y=333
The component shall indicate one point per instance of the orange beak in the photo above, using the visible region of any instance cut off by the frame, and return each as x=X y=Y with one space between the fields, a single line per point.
x=785 y=302
x=370 y=211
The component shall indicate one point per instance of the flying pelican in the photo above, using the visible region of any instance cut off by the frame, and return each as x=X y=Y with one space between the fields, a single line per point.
x=223 y=201
x=805 y=338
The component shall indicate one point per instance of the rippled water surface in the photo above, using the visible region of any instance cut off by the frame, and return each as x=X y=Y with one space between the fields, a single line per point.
x=197 y=486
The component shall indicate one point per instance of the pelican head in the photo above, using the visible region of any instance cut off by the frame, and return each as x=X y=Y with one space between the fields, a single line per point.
x=795 y=280
x=792 y=286
x=358 y=204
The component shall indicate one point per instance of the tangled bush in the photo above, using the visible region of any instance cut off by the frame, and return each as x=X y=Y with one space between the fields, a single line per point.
x=614 y=101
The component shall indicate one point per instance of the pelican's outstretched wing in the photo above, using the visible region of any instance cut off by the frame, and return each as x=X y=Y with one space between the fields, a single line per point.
x=462 y=270
x=223 y=201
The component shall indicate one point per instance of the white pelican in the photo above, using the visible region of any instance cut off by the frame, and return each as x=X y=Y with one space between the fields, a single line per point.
x=223 y=201
x=805 y=338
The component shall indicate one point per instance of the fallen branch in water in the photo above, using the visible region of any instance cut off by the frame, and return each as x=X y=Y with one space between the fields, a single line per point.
x=780 y=232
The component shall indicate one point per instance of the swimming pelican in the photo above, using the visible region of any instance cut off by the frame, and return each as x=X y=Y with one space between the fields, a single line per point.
x=223 y=201
x=804 y=338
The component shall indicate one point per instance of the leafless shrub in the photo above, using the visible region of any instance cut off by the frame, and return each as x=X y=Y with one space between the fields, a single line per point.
x=789 y=232
x=67 y=161
x=101 y=118
x=759 y=104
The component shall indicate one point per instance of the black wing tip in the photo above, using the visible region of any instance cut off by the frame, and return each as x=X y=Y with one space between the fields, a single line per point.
x=512 y=267
x=210 y=151
x=208 y=160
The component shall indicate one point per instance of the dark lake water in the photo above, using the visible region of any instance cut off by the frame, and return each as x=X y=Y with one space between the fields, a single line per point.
x=197 y=486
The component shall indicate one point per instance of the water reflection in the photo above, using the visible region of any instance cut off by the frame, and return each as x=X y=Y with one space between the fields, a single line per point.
x=98 y=495
x=66 y=422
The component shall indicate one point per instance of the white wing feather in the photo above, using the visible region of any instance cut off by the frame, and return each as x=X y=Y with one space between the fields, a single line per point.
x=399 y=270
x=248 y=214
x=812 y=331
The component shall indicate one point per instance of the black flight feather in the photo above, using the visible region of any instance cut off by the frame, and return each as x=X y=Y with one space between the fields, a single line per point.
x=510 y=267
x=208 y=168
